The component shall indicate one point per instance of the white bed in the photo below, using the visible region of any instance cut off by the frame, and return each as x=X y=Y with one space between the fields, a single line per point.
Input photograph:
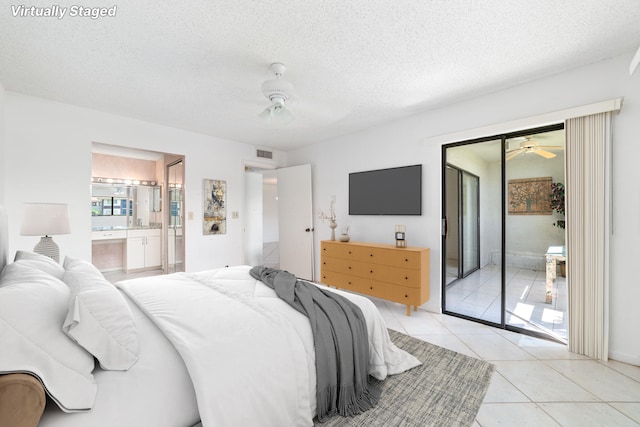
x=217 y=346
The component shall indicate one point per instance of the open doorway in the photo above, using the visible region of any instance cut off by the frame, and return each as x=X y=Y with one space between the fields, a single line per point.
x=134 y=231
x=519 y=283
x=261 y=233
x=278 y=204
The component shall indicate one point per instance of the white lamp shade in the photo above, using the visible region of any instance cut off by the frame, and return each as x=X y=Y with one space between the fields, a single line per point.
x=45 y=219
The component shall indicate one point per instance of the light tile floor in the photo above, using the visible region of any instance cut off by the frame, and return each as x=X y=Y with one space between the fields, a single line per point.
x=478 y=295
x=537 y=382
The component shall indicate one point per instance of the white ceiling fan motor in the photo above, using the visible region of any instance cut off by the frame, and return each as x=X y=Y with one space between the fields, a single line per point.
x=279 y=91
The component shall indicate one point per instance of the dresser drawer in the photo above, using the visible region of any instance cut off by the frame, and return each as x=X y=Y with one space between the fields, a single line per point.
x=404 y=295
x=399 y=258
x=398 y=276
x=345 y=251
x=375 y=289
x=335 y=279
x=357 y=268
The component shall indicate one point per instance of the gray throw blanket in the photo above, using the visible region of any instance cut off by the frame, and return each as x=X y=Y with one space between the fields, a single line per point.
x=340 y=339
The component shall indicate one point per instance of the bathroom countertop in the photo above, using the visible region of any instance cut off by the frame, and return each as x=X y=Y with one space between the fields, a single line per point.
x=133 y=227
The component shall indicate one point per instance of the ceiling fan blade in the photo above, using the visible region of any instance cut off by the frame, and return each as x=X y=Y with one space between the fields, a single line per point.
x=634 y=62
x=515 y=153
x=551 y=147
x=545 y=154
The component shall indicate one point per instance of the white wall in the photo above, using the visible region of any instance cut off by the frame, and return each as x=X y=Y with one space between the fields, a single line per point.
x=2 y=145
x=48 y=145
x=404 y=142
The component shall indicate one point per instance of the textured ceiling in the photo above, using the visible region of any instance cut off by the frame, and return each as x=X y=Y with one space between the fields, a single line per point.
x=198 y=65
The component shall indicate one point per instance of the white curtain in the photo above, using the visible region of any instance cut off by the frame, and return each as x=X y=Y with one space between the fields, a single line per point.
x=588 y=157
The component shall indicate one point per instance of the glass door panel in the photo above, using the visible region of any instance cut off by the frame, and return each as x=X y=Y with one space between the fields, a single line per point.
x=472 y=235
x=452 y=208
x=536 y=291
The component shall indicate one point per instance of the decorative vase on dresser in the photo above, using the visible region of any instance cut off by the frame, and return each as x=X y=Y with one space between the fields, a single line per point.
x=383 y=271
x=332 y=226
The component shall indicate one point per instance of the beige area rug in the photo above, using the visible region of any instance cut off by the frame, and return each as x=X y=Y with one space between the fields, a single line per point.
x=447 y=390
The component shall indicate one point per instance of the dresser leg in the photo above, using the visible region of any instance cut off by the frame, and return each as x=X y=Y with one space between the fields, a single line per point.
x=408 y=310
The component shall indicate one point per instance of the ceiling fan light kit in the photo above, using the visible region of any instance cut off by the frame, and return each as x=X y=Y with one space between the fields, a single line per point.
x=278 y=91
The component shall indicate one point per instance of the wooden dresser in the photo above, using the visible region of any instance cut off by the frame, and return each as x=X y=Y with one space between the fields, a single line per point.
x=383 y=271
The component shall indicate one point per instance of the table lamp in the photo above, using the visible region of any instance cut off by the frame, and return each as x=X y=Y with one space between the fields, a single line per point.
x=45 y=219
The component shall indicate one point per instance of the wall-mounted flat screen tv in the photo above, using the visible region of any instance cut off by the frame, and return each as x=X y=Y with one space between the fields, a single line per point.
x=394 y=191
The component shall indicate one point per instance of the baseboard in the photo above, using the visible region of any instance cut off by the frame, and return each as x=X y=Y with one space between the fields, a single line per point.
x=631 y=359
x=109 y=270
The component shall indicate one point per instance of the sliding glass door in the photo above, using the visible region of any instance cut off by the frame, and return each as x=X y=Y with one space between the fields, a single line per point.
x=502 y=237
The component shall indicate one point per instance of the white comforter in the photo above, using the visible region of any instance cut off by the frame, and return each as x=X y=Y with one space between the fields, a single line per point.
x=250 y=356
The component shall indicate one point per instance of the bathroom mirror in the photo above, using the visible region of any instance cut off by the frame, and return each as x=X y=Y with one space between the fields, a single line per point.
x=124 y=205
x=109 y=200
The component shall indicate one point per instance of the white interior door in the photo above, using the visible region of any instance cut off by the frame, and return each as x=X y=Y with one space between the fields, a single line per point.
x=295 y=220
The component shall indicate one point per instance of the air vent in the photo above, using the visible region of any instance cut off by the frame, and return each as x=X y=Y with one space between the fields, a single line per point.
x=265 y=154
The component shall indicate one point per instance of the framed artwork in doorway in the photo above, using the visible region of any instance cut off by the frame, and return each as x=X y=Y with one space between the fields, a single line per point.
x=214 y=220
x=529 y=196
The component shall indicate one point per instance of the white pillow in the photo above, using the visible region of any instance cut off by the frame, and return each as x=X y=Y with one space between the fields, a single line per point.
x=41 y=262
x=78 y=264
x=33 y=305
x=99 y=318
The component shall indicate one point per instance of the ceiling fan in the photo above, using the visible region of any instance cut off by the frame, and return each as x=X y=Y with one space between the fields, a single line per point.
x=531 y=146
x=279 y=91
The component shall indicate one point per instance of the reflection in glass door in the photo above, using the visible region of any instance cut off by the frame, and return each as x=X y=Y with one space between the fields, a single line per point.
x=175 y=235
x=462 y=223
x=451 y=232
x=470 y=218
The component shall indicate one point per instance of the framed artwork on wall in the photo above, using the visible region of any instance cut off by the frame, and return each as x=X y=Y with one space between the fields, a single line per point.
x=530 y=196
x=214 y=219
